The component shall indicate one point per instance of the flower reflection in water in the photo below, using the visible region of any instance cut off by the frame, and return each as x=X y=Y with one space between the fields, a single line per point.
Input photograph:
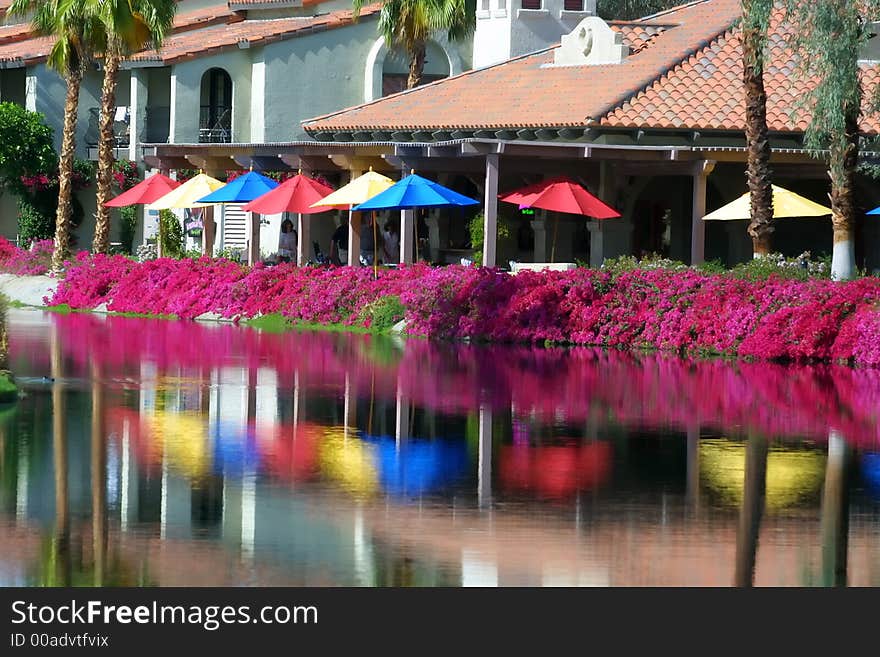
x=322 y=458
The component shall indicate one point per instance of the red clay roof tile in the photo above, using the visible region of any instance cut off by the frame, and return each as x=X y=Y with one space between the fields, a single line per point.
x=686 y=75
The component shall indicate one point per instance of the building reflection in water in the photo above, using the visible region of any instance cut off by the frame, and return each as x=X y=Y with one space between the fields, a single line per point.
x=220 y=455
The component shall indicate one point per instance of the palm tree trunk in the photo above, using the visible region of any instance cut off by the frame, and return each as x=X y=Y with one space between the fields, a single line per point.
x=106 y=144
x=65 y=169
x=758 y=172
x=416 y=66
x=754 y=490
x=844 y=155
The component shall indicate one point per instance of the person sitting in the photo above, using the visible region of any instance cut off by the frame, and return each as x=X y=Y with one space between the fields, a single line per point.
x=391 y=245
x=287 y=242
x=339 y=245
x=368 y=243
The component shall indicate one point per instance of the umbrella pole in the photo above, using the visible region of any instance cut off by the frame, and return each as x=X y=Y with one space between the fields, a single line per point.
x=555 y=233
x=375 y=248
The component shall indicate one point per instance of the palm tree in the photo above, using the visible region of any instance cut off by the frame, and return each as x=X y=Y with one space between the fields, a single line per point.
x=756 y=18
x=74 y=30
x=829 y=35
x=129 y=26
x=409 y=24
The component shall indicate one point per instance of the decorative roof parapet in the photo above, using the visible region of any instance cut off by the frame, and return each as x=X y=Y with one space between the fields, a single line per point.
x=592 y=42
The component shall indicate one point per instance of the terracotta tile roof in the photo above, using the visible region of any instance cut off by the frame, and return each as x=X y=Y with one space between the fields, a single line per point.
x=25 y=47
x=521 y=94
x=216 y=15
x=638 y=35
x=30 y=51
x=705 y=91
x=13 y=33
x=201 y=42
x=684 y=72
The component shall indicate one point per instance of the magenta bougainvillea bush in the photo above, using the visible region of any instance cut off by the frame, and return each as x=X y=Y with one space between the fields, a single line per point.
x=682 y=311
x=34 y=261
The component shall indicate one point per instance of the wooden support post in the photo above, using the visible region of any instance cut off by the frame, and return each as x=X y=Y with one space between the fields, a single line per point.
x=303 y=238
x=208 y=230
x=698 y=226
x=254 y=239
x=490 y=211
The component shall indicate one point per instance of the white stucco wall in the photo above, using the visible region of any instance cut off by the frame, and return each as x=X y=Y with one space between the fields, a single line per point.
x=186 y=80
x=505 y=30
x=312 y=75
x=46 y=93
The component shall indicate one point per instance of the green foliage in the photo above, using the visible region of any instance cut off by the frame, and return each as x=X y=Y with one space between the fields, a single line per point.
x=627 y=263
x=475 y=230
x=26 y=146
x=128 y=227
x=629 y=9
x=171 y=234
x=802 y=267
x=229 y=254
x=775 y=264
x=8 y=389
x=35 y=223
x=829 y=34
x=383 y=313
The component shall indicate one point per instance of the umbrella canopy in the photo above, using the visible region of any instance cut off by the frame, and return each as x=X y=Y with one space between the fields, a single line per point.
x=561 y=195
x=418 y=466
x=359 y=190
x=148 y=190
x=785 y=204
x=415 y=192
x=875 y=211
x=188 y=194
x=296 y=194
x=242 y=189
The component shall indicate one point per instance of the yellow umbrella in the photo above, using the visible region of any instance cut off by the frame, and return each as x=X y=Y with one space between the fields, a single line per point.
x=793 y=475
x=349 y=461
x=785 y=204
x=182 y=437
x=359 y=190
x=188 y=193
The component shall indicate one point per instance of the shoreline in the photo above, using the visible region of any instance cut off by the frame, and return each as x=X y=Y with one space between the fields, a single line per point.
x=689 y=313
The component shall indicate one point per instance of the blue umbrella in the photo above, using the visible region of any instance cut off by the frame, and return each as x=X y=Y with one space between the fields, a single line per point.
x=243 y=189
x=415 y=192
x=875 y=211
x=419 y=466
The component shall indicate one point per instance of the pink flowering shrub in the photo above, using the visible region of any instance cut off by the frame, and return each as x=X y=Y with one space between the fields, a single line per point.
x=34 y=261
x=686 y=311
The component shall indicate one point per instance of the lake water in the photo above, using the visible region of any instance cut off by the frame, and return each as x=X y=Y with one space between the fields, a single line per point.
x=149 y=452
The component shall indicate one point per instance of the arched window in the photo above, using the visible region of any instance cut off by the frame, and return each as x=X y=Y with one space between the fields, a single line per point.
x=215 y=112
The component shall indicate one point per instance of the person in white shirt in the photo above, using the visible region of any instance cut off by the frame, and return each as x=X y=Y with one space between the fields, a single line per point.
x=287 y=243
x=392 y=243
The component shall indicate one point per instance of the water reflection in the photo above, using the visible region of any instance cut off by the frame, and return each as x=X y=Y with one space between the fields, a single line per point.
x=190 y=454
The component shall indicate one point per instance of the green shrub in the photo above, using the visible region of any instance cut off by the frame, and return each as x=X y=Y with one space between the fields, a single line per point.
x=128 y=228
x=34 y=223
x=171 y=234
x=8 y=389
x=475 y=230
x=383 y=313
x=775 y=264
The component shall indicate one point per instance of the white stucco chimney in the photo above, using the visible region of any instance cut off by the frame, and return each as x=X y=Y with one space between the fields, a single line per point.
x=509 y=28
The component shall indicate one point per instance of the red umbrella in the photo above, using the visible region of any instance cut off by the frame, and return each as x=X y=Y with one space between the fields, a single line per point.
x=296 y=194
x=146 y=191
x=560 y=195
x=556 y=471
